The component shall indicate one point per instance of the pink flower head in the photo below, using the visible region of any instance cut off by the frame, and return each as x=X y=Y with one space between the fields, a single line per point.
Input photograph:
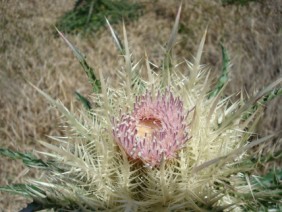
x=154 y=131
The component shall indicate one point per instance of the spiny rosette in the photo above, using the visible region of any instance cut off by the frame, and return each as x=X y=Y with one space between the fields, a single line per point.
x=155 y=130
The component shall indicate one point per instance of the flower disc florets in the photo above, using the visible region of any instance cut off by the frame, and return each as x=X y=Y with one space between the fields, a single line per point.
x=155 y=130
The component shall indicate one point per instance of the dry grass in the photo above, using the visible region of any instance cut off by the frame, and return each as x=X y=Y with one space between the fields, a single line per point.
x=29 y=50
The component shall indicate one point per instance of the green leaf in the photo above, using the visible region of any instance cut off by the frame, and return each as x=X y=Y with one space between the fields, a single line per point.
x=33 y=206
x=86 y=103
x=96 y=84
x=27 y=158
x=40 y=198
x=24 y=190
x=224 y=73
x=264 y=192
x=275 y=92
x=271 y=180
x=39 y=206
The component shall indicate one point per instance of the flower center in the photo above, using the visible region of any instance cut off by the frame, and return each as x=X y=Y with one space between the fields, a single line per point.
x=146 y=127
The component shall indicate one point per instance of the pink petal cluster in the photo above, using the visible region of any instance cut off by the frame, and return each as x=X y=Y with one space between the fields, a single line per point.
x=154 y=131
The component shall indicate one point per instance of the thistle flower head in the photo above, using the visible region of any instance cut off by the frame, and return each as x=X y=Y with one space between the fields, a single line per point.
x=155 y=130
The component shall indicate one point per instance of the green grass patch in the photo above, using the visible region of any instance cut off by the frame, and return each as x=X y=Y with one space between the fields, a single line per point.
x=89 y=15
x=238 y=2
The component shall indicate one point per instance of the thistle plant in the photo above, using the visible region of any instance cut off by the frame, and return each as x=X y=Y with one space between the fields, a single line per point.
x=166 y=142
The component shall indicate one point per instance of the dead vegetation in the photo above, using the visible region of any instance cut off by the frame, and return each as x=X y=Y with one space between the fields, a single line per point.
x=30 y=51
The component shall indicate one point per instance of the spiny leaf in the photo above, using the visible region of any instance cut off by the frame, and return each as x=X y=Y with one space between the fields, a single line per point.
x=272 y=179
x=174 y=31
x=266 y=190
x=264 y=100
x=167 y=64
x=232 y=154
x=71 y=118
x=33 y=206
x=76 y=52
x=200 y=50
x=135 y=76
x=27 y=158
x=224 y=73
x=96 y=84
x=250 y=103
x=275 y=156
x=116 y=38
x=128 y=64
x=85 y=102
x=24 y=190
x=39 y=206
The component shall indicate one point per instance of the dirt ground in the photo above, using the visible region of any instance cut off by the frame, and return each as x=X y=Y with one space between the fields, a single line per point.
x=30 y=51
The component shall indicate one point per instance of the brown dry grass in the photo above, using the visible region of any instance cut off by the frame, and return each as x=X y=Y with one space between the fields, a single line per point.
x=29 y=50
